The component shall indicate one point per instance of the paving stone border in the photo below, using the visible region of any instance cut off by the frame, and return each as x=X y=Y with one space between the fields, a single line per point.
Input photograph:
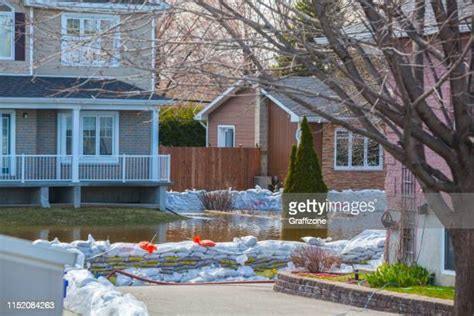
x=351 y=294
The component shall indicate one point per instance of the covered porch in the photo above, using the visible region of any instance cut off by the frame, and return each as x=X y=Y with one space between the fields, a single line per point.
x=81 y=147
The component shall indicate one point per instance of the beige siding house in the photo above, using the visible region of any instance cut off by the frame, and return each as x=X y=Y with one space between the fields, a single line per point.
x=249 y=116
x=79 y=114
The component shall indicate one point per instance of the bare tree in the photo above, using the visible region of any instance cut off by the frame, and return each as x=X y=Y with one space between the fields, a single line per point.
x=403 y=70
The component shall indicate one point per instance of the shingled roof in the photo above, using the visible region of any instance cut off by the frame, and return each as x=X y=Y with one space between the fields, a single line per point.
x=306 y=89
x=65 y=87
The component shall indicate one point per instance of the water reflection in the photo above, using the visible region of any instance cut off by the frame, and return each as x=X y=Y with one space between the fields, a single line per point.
x=218 y=227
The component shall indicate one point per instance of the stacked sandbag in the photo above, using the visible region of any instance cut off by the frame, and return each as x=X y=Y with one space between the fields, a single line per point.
x=184 y=256
x=186 y=260
x=366 y=246
x=256 y=199
x=86 y=295
x=260 y=199
x=200 y=275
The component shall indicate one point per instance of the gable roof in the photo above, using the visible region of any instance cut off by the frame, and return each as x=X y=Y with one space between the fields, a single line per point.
x=304 y=87
x=73 y=88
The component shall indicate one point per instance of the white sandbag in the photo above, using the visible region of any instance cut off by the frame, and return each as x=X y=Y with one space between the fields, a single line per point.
x=91 y=297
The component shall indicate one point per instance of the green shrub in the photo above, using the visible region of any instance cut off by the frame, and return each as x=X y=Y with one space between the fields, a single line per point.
x=305 y=175
x=398 y=275
x=291 y=169
x=178 y=127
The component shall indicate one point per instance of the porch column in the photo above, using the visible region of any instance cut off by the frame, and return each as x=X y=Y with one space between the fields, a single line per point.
x=75 y=144
x=155 y=146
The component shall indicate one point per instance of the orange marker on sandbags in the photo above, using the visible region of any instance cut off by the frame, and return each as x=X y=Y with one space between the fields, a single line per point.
x=147 y=246
x=203 y=243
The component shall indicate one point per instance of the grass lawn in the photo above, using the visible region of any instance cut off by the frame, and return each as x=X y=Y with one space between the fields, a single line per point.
x=83 y=216
x=444 y=292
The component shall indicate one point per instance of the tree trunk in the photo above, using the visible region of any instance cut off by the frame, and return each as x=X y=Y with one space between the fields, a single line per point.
x=463 y=244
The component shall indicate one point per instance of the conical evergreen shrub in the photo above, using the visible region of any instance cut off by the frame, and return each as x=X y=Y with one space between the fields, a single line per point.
x=291 y=170
x=307 y=175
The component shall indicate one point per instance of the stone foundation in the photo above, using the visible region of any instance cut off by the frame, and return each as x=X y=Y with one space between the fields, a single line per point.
x=360 y=296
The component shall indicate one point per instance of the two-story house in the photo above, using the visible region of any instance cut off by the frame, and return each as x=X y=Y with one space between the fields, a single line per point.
x=79 y=114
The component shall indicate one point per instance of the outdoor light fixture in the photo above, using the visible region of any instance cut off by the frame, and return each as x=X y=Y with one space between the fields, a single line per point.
x=25 y=115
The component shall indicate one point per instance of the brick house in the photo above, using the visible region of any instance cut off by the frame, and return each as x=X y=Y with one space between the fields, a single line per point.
x=425 y=240
x=248 y=116
x=79 y=115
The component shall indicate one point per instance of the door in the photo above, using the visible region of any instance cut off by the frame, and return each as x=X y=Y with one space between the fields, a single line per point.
x=6 y=160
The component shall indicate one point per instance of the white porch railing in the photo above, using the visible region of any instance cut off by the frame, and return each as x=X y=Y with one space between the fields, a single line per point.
x=123 y=168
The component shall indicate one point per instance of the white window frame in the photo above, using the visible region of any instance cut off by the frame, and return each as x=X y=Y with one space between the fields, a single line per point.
x=115 y=25
x=443 y=254
x=349 y=167
x=90 y=158
x=12 y=15
x=220 y=136
x=12 y=144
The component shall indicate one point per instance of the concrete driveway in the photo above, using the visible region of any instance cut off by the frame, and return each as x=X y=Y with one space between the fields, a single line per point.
x=251 y=299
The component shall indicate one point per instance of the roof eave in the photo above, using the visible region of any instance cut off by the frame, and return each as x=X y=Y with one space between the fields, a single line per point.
x=203 y=114
x=100 y=7
x=14 y=102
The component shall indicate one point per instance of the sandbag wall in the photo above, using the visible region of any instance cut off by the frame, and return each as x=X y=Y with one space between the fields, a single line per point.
x=184 y=256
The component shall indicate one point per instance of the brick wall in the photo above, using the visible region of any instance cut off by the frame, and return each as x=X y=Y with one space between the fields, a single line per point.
x=344 y=180
x=26 y=132
x=37 y=134
x=135 y=133
x=46 y=132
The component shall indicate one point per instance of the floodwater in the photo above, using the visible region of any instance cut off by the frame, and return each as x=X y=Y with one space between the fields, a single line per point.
x=214 y=226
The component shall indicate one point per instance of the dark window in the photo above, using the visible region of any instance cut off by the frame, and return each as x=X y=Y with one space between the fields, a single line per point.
x=448 y=252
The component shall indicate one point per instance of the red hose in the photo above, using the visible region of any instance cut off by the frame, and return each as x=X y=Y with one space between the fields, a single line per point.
x=133 y=276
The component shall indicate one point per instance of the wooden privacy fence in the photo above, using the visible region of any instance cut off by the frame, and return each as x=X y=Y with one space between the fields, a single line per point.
x=212 y=168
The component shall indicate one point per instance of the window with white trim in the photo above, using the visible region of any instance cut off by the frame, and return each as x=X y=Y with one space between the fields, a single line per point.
x=90 y=40
x=7 y=31
x=226 y=136
x=355 y=152
x=98 y=134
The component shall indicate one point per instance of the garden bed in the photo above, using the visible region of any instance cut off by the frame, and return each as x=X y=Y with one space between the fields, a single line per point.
x=443 y=292
x=361 y=296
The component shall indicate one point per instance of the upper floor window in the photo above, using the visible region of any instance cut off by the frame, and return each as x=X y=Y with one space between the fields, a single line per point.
x=7 y=31
x=356 y=152
x=90 y=40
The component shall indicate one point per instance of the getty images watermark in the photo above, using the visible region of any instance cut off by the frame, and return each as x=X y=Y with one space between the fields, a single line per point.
x=319 y=209
x=310 y=210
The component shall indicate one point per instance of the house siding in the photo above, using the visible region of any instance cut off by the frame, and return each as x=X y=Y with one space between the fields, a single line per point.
x=238 y=111
x=282 y=136
x=135 y=31
x=12 y=66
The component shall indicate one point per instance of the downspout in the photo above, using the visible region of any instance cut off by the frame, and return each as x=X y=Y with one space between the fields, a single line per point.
x=31 y=41
x=207 y=133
